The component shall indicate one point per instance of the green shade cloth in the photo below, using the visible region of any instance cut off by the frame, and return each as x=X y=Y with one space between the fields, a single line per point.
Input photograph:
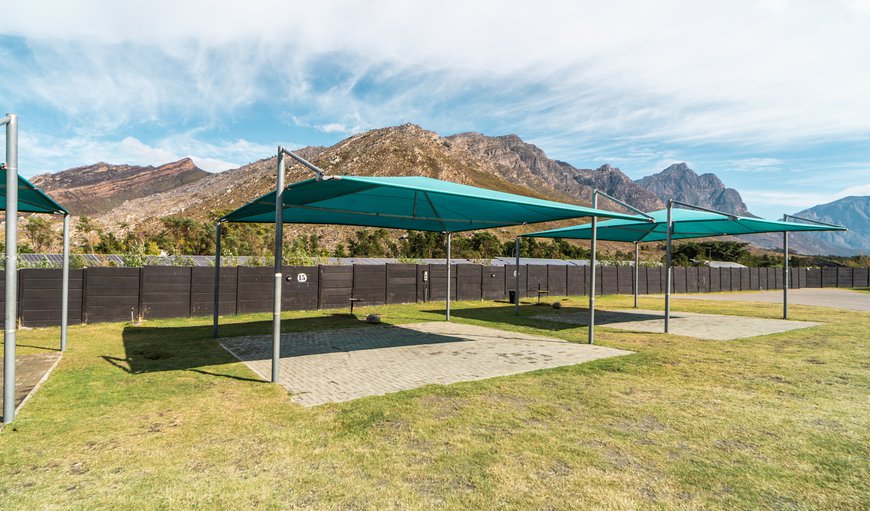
x=687 y=224
x=30 y=198
x=412 y=203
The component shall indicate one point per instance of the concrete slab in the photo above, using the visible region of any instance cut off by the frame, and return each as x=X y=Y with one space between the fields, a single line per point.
x=340 y=365
x=704 y=326
x=823 y=297
x=30 y=372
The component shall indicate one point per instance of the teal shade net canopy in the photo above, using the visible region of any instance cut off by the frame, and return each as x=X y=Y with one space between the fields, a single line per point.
x=410 y=202
x=30 y=198
x=687 y=224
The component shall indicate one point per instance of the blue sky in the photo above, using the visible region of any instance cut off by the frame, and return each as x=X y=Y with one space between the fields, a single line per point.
x=770 y=95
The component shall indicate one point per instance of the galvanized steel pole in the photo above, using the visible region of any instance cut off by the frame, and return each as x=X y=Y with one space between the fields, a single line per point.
x=217 y=279
x=785 y=282
x=448 y=275
x=11 y=317
x=636 y=270
x=592 y=264
x=670 y=228
x=64 y=290
x=517 y=278
x=279 y=246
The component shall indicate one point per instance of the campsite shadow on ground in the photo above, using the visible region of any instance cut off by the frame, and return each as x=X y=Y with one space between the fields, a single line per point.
x=192 y=348
x=537 y=316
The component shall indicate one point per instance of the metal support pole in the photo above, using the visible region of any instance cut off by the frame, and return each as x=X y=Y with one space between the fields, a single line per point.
x=636 y=270
x=217 y=280
x=785 y=282
x=279 y=245
x=592 y=264
x=668 y=266
x=64 y=290
x=517 y=278
x=11 y=316
x=448 y=276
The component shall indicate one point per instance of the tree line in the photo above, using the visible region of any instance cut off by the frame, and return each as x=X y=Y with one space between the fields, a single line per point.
x=181 y=236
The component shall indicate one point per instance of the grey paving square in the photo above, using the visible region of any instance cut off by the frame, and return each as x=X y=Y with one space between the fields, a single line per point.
x=715 y=327
x=341 y=365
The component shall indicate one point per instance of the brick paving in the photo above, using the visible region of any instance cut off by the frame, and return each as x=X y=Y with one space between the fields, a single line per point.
x=833 y=298
x=29 y=371
x=340 y=365
x=715 y=327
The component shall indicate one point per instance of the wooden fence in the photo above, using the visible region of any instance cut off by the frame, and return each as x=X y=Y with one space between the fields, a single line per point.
x=117 y=294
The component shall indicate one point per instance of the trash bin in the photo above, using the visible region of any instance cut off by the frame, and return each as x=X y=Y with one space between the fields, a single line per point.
x=512 y=296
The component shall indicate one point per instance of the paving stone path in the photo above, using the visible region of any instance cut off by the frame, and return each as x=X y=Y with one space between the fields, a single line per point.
x=703 y=326
x=340 y=365
x=822 y=297
x=29 y=372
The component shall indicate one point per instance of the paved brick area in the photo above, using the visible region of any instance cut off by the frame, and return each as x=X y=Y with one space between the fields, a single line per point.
x=822 y=297
x=340 y=365
x=29 y=372
x=703 y=326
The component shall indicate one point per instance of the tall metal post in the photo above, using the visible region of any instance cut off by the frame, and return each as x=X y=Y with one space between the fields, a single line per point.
x=592 y=264
x=785 y=282
x=636 y=270
x=279 y=256
x=11 y=317
x=64 y=290
x=217 y=279
x=517 y=278
x=668 y=266
x=448 y=276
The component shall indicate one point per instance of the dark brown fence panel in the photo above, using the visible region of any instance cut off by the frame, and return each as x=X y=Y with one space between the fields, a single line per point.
x=624 y=280
x=608 y=280
x=642 y=284
x=300 y=287
x=861 y=277
x=255 y=289
x=468 y=282
x=493 y=282
x=814 y=277
x=510 y=279
x=724 y=279
x=574 y=280
x=401 y=283
x=844 y=277
x=829 y=277
x=654 y=283
x=438 y=282
x=165 y=291
x=370 y=283
x=744 y=279
x=536 y=278
x=679 y=279
x=692 y=279
x=40 y=297
x=110 y=294
x=557 y=280
x=336 y=286
x=202 y=290
x=714 y=280
x=777 y=277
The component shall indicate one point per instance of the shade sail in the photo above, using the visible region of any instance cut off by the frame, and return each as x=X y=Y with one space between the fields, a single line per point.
x=411 y=202
x=30 y=198
x=687 y=224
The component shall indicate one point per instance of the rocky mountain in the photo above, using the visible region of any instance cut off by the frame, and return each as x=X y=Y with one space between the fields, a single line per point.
x=526 y=164
x=100 y=187
x=681 y=183
x=850 y=212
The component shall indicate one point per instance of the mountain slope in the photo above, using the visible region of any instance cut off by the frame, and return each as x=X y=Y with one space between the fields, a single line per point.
x=101 y=187
x=681 y=183
x=850 y=212
x=526 y=164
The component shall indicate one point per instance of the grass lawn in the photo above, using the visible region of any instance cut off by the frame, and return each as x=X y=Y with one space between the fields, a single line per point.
x=159 y=416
